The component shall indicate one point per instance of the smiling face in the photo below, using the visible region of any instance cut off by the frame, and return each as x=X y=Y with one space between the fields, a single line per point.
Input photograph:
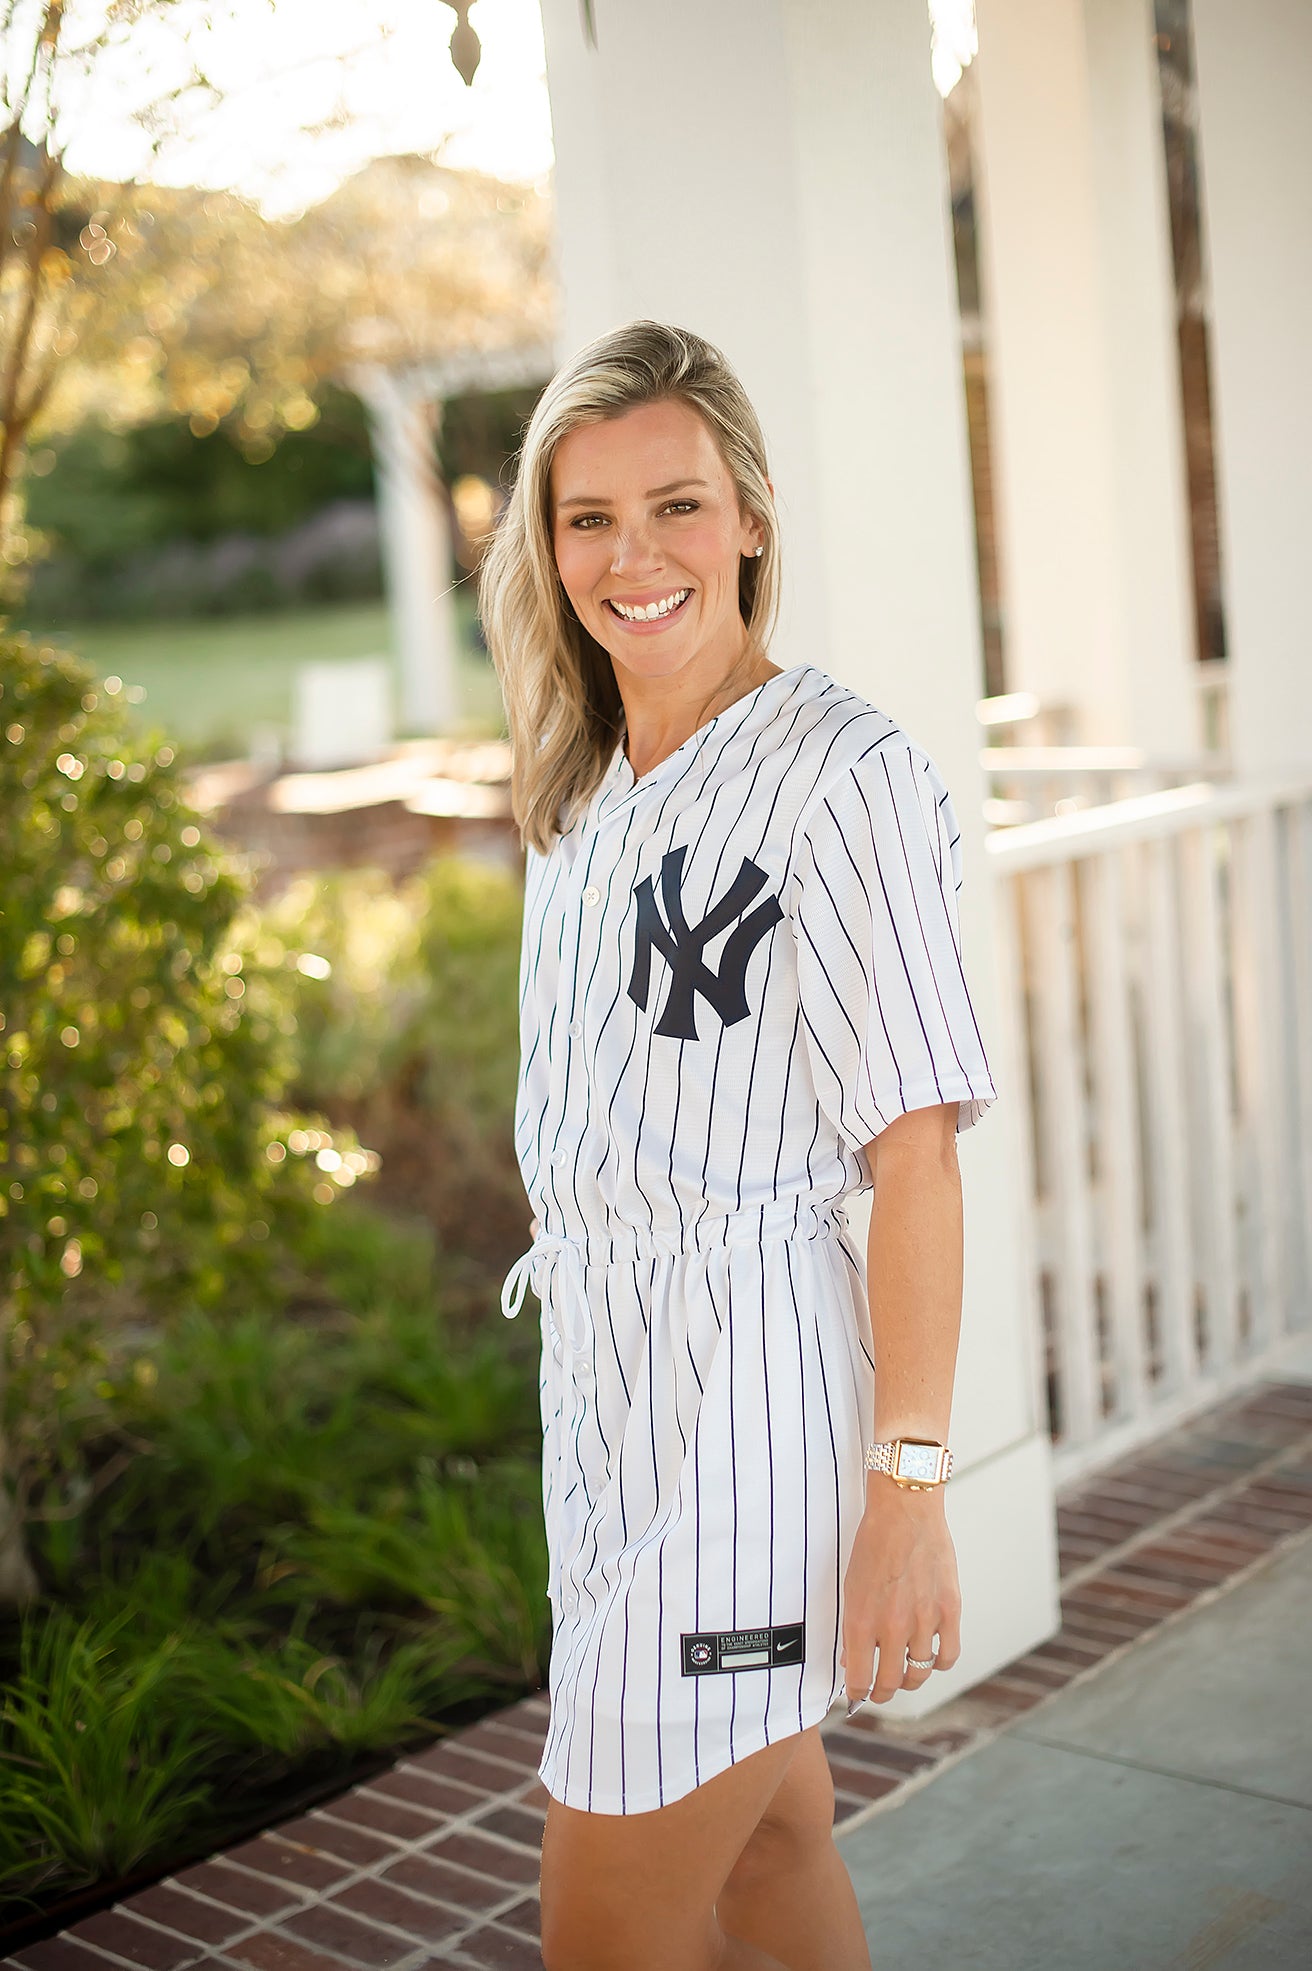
x=649 y=540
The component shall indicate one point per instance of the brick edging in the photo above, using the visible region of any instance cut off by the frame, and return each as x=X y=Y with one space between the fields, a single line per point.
x=435 y=1860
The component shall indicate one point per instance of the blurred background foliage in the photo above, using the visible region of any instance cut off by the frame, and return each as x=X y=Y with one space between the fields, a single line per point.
x=100 y=492
x=206 y=308
x=271 y=1462
x=413 y=1039
x=145 y=305
x=152 y=519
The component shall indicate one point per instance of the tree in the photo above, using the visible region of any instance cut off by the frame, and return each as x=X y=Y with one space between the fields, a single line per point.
x=191 y=299
x=214 y=313
x=54 y=249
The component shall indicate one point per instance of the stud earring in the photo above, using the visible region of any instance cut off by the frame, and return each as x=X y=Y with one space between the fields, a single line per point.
x=760 y=550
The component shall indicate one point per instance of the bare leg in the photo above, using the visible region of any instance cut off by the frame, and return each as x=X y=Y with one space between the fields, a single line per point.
x=683 y=1888
x=789 y=1891
x=637 y=1892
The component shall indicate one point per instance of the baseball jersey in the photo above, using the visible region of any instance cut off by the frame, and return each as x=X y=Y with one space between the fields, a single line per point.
x=735 y=972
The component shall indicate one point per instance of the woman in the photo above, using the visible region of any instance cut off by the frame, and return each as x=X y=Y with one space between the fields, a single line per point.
x=741 y=1000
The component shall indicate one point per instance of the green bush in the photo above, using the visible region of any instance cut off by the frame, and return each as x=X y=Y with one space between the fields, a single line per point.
x=157 y=521
x=100 y=494
x=413 y=1037
x=147 y=1159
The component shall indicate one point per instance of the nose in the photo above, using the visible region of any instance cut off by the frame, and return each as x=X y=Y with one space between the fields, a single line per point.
x=634 y=547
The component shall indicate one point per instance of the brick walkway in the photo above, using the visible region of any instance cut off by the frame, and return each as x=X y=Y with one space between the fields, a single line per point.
x=435 y=1861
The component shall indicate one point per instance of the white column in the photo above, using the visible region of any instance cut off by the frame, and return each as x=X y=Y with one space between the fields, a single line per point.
x=1254 y=72
x=414 y=530
x=1085 y=408
x=771 y=174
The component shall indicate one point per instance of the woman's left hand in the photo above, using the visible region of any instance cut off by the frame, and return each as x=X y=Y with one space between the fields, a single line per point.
x=901 y=1590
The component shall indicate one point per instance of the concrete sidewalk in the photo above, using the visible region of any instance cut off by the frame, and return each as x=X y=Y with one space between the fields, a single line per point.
x=1155 y=1818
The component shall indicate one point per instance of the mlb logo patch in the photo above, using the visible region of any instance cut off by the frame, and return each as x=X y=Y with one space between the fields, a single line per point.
x=719 y=1652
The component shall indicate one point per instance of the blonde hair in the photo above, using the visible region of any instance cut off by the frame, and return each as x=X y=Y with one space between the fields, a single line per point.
x=563 y=705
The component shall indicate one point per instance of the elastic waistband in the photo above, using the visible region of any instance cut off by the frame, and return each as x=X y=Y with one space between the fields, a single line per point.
x=780 y=1218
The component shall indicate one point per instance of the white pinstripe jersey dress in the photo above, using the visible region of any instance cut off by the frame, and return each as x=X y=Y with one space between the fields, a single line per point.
x=735 y=972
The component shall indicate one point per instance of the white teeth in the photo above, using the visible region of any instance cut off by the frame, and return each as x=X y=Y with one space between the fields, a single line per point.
x=648 y=612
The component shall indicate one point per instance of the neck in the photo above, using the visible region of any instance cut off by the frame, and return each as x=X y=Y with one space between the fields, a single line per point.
x=667 y=711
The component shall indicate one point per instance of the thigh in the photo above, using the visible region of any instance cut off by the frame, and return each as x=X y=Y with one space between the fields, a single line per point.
x=797 y=1823
x=637 y=1892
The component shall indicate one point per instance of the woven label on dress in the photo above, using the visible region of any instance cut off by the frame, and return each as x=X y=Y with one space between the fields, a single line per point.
x=716 y=1652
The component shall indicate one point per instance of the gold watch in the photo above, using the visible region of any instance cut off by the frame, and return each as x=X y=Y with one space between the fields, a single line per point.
x=917 y=1464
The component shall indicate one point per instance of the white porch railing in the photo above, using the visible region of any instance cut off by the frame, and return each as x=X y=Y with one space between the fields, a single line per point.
x=1031 y=783
x=1158 y=955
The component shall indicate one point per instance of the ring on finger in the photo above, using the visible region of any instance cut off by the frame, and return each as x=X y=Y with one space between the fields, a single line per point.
x=920 y=1662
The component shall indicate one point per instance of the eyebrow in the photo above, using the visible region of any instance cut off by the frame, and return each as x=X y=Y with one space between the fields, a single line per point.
x=653 y=493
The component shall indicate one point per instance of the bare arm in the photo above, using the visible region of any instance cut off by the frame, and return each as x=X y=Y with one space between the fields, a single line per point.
x=901 y=1586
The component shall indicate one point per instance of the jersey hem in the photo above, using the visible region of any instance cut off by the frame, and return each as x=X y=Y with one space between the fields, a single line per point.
x=582 y=1800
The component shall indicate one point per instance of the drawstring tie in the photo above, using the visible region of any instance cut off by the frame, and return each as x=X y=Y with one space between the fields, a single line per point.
x=553 y=1267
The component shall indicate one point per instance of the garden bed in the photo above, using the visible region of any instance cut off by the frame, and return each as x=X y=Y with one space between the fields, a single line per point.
x=324 y=1546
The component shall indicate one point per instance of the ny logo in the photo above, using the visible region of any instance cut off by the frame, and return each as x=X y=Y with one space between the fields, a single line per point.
x=682 y=945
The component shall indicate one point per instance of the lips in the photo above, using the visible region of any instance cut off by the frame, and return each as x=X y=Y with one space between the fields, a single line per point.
x=660 y=609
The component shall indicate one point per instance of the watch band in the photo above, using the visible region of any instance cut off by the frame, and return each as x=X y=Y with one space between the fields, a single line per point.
x=928 y=1472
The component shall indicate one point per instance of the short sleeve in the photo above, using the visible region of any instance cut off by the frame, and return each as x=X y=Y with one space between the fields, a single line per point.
x=885 y=1009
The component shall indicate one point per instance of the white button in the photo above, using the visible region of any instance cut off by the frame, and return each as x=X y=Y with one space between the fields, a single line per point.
x=576 y=1028
x=559 y=1156
x=591 y=895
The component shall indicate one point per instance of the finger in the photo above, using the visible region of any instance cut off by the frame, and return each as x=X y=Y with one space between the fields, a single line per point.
x=892 y=1666
x=533 y=1228
x=858 y=1672
x=924 y=1656
x=949 y=1639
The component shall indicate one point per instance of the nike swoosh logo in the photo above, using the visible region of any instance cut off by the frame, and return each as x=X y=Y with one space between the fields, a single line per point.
x=789 y=1645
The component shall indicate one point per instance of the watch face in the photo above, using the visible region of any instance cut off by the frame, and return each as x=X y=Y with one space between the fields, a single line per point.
x=919 y=1461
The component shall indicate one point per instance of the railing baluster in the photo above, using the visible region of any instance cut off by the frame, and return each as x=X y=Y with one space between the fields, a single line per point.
x=1059 y=1054
x=1119 y=1196
x=1210 y=1081
x=1263 y=1089
x=1300 y=937
x=1167 y=1127
x=1009 y=959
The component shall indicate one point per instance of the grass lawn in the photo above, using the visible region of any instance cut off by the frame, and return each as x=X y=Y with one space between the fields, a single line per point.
x=219 y=684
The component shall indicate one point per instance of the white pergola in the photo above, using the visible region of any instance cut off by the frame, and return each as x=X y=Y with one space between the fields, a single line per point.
x=404 y=408
x=772 y=173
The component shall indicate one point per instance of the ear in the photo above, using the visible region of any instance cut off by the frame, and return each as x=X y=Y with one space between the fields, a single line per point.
x=757 y=530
